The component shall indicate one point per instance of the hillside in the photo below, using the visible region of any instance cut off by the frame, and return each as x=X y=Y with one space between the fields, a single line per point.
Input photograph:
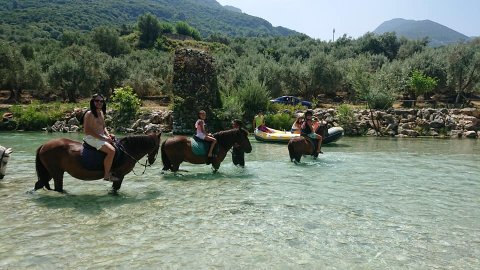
x=438 y=34
x=49 y=18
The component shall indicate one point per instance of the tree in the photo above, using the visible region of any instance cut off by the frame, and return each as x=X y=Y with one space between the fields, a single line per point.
x=116 y=72
x=326 y=77
x=108 y=41
x=150 y=30
x=464 y=68
x=182 y=28
x=76 y=72
x=12 y=71
x=421 y=84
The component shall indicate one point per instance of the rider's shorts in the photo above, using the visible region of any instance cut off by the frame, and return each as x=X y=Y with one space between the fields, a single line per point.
x=94 y=142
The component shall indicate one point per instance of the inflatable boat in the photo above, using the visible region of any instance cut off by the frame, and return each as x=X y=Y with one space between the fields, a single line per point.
x=334 y=134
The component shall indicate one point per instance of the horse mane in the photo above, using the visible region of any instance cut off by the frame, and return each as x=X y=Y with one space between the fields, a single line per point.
x=226 y=137
x=134 y=142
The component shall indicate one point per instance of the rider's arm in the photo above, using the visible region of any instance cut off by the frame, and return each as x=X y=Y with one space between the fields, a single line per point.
x=202 y=126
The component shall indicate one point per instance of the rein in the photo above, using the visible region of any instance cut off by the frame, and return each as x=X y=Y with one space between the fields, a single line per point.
x=137 y=161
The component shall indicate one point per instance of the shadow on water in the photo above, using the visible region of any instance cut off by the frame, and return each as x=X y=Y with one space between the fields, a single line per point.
x=336 y=145
x=237 y=173
x=92 y=204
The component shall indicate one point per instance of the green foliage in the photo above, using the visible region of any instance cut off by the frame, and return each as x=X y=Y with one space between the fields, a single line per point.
x=232 y=108
x=182 y=28
x=36 y=116
x=346 y=119
x=166 y=28
x=108 y=41
x=150 y=30
x=285 y=108
x=464 y=68
x=126 y=105
x=380 y=99
x=76 y=72
x=421 y=84
x=281 y=121
x=325 y=76
x=254 y=98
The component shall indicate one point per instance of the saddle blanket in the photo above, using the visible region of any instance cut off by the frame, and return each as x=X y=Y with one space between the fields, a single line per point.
x=92 y=159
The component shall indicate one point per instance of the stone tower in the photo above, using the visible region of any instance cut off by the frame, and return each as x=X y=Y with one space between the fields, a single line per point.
x=195 y=88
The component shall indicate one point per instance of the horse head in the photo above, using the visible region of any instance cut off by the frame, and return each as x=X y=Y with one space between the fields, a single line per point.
x=243 y=140
x=4 y=156
x=152 y=156
x=239 y=136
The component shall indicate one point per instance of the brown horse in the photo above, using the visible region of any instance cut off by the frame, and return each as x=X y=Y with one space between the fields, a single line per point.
x=299 y=146
x=177 y=149
x=63 y=155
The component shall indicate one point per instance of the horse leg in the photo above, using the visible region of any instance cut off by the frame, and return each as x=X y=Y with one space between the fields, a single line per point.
x=58 y=180
x=175 y=166
x=117 y=184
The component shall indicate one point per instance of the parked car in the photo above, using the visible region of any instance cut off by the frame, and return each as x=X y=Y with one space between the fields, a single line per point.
x=291 y=100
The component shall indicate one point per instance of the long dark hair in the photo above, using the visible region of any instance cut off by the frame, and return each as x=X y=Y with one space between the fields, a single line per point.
x=93 y=108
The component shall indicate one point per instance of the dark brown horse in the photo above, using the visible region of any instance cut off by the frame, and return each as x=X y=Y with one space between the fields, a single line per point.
x=63 y=155
x=299 y=146
x=178 y=149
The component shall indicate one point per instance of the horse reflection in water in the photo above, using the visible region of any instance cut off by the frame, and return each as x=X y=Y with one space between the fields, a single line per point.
x=178 y=149
x=4 y=157
x=64 y=155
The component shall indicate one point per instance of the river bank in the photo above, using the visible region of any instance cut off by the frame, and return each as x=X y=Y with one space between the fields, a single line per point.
x=425 y=122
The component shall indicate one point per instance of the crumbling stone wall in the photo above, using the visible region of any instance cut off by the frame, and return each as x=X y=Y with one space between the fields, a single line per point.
x=195 y=88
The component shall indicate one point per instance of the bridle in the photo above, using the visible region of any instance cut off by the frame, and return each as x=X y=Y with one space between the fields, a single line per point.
x=137 y=161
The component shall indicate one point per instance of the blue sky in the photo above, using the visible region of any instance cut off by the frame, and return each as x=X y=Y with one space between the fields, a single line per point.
x=318 y=18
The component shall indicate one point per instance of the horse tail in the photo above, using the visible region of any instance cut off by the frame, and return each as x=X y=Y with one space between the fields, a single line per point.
x=165 y=160
x=43 y=175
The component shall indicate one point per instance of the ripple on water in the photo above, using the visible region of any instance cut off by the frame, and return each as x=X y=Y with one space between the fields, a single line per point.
x=365 y=203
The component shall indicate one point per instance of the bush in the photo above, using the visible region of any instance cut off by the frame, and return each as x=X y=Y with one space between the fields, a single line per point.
x=254 y=98
x=126 y=105
x=231 y=109
x=281 y=121
x=346 y=119
x=37 y=116
x=380 y=100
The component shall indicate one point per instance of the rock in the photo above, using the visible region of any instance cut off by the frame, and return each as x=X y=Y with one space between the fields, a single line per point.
x=438 y=122
x=471 y=134
x=73 y=122
x=471 y=112
x=456 y=134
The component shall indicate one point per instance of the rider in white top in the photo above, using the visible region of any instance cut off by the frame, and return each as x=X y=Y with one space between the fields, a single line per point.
x=200 y=127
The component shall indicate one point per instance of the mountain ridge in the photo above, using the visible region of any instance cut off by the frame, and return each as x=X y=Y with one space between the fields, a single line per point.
x=207 y=16
x=437 y=33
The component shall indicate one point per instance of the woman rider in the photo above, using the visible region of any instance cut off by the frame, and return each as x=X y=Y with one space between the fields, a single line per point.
x=308 y=131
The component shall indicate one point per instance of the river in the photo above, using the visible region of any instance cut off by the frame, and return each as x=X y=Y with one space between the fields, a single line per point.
x=367 y=203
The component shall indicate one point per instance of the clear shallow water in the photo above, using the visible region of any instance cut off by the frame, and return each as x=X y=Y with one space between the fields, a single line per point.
x=367 y=203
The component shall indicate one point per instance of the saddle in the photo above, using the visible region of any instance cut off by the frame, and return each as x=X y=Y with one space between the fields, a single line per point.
x=92 y=159
x=200 y=147
x=314 y=143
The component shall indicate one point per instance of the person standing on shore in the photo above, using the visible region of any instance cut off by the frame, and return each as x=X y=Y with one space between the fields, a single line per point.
x=97 y=135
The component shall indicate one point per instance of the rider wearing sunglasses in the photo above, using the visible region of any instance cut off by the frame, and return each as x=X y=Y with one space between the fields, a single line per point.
x=97 y=134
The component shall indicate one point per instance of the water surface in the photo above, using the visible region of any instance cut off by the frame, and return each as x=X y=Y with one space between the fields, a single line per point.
x=367 y=203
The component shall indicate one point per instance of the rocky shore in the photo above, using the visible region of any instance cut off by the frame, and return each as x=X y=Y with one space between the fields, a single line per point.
x=428 y=122
x=453 y=123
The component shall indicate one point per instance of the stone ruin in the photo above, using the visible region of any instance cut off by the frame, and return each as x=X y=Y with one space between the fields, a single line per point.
x=195 y=88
